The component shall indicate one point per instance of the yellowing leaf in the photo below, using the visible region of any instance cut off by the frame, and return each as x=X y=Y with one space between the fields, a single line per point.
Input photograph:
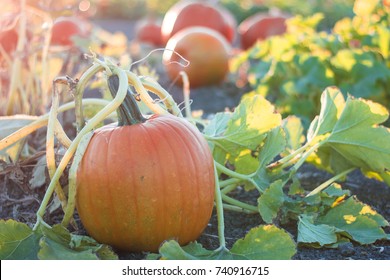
x=352 y=217
x=351 y=134
x=265 y=242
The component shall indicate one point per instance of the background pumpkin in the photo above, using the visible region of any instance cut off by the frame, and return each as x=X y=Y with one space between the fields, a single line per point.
x=141 y=184
x=207 y=52
x=190 y=13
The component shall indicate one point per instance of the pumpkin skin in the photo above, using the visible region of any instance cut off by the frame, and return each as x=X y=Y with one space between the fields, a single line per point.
x=207 y=51
x=260 y=26
x=189 y=13
x=64 y=28
x=141 y=184
x=148 y=30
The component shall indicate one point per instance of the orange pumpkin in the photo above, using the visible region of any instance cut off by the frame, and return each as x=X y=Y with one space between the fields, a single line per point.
x=260 y=26
x=207 y=52
x=189 y=13
x=148 y=30
x=145 y=181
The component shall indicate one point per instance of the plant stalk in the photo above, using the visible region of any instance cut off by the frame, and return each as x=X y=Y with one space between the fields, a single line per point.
x=329 y=182
x=219 y=209
x=108 y=109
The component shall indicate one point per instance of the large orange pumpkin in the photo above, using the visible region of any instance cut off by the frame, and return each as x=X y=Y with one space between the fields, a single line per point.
x=142 y=183
x=189 y=13
x=207 y=52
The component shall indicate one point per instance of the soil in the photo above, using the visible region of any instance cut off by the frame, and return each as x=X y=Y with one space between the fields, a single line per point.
x=19 y=201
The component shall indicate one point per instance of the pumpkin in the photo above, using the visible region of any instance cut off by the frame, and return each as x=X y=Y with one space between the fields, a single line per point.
x=260 y=26
x=148 y=30
x=145 y=180
x=207 y=52
x=189 y=13
x=64 y=28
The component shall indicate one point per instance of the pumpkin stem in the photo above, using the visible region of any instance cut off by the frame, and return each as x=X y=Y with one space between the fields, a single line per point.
x=128 y=112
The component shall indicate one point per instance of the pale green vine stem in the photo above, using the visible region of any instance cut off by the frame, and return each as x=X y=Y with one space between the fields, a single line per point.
x=237 y=209
x=157 y=89
x=81 y=148
x=50 y=154
x=61 y=135
x=219 y=209
x=93 y=122
x=234 y=174
x=239 y=204
x=79 y=91
x=229 y=185
x=305 y=155
x=135 y=81
x=330 y=181
x=290 y=157
x=43 y=120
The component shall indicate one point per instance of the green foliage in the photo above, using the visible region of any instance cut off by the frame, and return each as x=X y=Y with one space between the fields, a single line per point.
x=333 y=10
x=18 y=241
x=292 y=70
x=346 y=135
x=266 y=242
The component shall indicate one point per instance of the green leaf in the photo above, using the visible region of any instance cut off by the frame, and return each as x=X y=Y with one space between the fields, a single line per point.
x=59 y=243
x=270 y=201
x=18 y=241
x=384 y=40
x=217 y=126
x=248 y=125
x=293 y=128
x=171 y=250
x=361 y=72
x=261 y=243
x=274 y=145
x=308 y=232
x=358 y=140
x=357 y=219
x=332 y=104
x=351 y=135
x=266 y=242
x=51 y=250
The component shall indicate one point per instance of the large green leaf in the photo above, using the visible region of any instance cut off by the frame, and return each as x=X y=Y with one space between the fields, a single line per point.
x=18 y=241
x=247 y=127
x=270 y=201
x=171 y=250
x=358 y=220
x=59 y=243
x=308 y=232
x=261 y=243
x=351 y=135
x=51 y=250
x=274 y=144
x=266 y=242
x=357 y=139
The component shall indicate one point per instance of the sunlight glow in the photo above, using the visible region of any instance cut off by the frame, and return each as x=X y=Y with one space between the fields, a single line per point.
x=84 y=5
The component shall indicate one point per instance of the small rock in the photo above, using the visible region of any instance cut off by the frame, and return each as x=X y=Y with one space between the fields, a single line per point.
x=347 y=249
